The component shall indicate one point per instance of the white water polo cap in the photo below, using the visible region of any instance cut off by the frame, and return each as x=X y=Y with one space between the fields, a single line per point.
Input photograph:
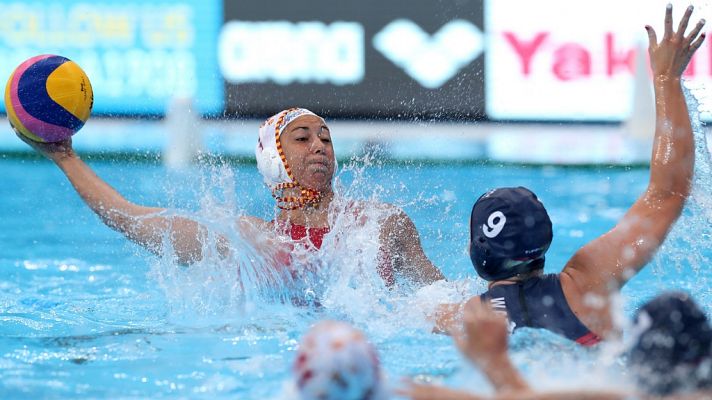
x=271 y=161
x=336 y=362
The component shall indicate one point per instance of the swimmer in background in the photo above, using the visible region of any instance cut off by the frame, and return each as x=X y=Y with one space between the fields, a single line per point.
x=671 y=357
x=336 y=362
x=510 y=230
x=296 y=157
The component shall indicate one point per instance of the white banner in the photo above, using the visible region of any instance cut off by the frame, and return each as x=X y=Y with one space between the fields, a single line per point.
x=576 y=60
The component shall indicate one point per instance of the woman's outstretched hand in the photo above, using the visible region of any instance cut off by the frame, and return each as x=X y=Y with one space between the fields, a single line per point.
x=53 y=151
x=485 y=338
x=670 y=57
x=485 y=342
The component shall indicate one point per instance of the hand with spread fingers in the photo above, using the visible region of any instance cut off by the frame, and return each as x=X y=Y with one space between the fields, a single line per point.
x=670 y=57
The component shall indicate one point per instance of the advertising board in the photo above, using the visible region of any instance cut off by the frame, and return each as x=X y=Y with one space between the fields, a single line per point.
x=369 y=58
x=572 y=60
x=138 y=54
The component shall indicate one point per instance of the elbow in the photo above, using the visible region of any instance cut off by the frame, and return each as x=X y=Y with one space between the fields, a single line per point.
x=122 y=220
x=669 y=196
x=682 y=188
x=666 y=204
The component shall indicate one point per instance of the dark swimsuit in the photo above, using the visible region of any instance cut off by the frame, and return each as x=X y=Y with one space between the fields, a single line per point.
x=315 y=237
x=540 y=303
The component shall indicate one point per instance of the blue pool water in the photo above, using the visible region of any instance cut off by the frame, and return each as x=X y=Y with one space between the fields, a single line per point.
x=86 y=314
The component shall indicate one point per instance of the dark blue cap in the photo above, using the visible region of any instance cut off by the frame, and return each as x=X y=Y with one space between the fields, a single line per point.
x=675 y=341
x=510 y=231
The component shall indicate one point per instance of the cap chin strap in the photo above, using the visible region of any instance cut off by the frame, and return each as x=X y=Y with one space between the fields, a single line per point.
x=307 y=197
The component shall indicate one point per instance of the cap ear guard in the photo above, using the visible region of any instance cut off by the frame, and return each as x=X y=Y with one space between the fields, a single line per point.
x=492 y=269
x=272 y=162
x=270 y=166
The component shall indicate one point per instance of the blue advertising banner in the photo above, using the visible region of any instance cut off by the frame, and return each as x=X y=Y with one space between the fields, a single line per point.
x=138 y=54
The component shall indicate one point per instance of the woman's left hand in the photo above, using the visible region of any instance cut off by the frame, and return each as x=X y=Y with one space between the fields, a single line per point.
x=485 y=339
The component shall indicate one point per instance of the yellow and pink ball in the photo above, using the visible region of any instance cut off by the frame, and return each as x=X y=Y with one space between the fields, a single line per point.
x=48 y=98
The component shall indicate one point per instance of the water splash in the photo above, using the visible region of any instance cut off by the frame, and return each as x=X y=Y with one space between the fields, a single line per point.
x=341 y=280
x=687 y=245
x=352 y=285
x=217 y=285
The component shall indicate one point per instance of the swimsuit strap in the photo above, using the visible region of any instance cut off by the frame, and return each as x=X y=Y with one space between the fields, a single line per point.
x=523 y=305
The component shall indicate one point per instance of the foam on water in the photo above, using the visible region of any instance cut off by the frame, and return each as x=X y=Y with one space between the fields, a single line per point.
x=341 y=278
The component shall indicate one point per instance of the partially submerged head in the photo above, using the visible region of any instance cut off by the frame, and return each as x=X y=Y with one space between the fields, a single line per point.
x=673 y=352
x=336 y=362
x=294 y=151
x=510 y=231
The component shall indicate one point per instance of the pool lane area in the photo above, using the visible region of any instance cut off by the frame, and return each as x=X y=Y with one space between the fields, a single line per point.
x=86 y=314
x=180 y=138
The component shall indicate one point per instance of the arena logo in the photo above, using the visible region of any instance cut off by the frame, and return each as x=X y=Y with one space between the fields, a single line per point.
x=430 y=60
x=285 y=52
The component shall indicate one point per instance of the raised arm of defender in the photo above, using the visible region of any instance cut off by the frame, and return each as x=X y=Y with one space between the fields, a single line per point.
x=608 y=262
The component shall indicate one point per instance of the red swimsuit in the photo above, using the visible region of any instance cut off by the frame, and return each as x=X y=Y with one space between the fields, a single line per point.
x=316 y=237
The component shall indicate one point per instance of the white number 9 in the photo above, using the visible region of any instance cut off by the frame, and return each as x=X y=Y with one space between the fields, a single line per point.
x=492 y=229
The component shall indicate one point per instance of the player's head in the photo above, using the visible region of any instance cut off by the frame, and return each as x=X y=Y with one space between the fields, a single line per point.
x=510 y=231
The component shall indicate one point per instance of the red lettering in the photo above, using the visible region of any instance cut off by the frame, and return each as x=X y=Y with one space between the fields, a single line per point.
x=571 y=61
x=615 y=60
x=525 y=50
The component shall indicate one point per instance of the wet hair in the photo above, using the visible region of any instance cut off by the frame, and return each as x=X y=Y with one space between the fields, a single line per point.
x=673 y=353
